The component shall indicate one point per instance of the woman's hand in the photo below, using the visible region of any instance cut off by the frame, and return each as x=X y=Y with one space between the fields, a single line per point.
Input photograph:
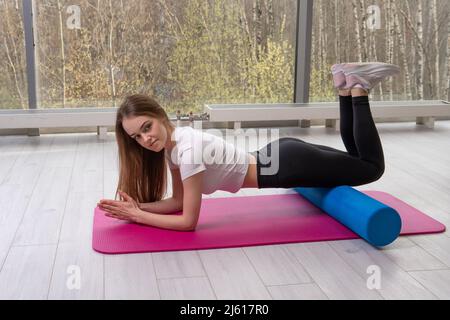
x=127 y=210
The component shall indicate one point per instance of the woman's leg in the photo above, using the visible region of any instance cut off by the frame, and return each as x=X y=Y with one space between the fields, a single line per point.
x=346 y=121
x=346 y=125
x=302 y=164
x=365 y=132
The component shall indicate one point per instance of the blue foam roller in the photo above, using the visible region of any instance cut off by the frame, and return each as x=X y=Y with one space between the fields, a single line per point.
x=372 y=220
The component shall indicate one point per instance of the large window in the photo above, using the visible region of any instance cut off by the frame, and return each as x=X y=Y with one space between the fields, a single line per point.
x=13 y=80
x=185 y=53
x=413 y=34
x=91 y=53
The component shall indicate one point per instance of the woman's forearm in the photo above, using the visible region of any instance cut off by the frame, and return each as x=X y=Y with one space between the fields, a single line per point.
x=166 y=206
x=171 y=222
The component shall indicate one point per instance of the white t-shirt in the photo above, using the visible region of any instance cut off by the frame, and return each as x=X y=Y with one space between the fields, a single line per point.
x=225 y=165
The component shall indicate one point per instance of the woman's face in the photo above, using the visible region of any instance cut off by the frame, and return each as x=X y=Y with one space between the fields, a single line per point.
x=149 y=132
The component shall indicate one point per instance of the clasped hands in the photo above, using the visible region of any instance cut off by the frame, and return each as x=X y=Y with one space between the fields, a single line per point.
x=127 y=210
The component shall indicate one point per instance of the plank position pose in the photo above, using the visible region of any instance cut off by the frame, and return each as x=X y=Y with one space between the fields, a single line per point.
x=148 y=142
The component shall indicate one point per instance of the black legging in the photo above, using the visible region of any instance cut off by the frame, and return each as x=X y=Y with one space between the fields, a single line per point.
x=303 y=164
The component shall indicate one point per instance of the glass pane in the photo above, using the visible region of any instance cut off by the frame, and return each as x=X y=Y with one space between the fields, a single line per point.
x=13 y=80
x=413 y=34
x=184 y=53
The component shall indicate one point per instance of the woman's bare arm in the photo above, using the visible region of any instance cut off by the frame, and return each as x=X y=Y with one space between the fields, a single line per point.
x=170 y=205
x=165 y=206
x=191 y=209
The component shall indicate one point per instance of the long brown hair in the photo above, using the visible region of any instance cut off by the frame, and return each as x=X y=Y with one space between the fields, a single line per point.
x=142 y=173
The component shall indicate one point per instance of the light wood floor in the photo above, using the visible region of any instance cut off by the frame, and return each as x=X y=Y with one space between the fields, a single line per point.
x=50 y=184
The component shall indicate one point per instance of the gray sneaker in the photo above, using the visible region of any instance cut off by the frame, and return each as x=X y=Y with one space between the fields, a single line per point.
x=368 y=74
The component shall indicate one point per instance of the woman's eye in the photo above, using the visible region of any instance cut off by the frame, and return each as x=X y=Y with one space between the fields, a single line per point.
x=145 y=130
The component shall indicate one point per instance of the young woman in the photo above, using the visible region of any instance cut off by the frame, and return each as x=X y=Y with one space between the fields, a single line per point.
x=148 y=142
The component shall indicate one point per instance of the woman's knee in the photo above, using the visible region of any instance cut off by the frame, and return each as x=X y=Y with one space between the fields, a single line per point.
x=378 y=172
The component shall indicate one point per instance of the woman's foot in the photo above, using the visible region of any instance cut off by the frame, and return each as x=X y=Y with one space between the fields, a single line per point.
x=367 y=75
x=338 y=76
x=354 y=92
x=345 y=92
x=341 y=84
x=339 y=79
x=359 y=92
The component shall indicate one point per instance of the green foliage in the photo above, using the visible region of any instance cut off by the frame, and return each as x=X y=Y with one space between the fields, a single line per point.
x=321 y=86
x=196 y=53
x=272 y=76
x=213 y=62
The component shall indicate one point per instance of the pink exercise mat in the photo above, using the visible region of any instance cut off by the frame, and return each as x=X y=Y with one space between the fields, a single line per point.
x=247 y=221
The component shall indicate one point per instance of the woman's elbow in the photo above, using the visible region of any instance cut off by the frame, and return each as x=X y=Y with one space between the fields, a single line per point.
x=190 y=219
x=189 y=227
x=190 y=223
